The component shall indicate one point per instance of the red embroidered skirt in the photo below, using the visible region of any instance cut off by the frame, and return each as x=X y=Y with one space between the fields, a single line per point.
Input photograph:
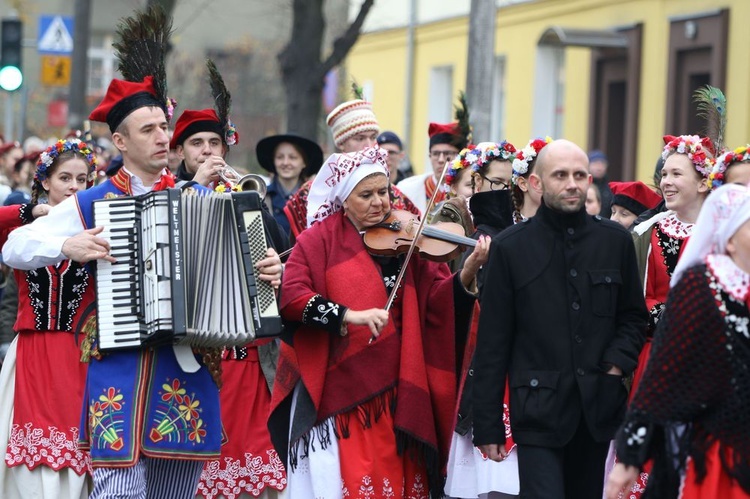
x=49 y=387
x=248 y=461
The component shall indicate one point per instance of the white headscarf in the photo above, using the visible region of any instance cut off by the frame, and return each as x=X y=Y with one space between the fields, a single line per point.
x=722 y=214
x=338 y=177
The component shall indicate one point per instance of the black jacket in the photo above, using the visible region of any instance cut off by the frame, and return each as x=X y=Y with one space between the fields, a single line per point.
x=492 y=212
x=562 y=303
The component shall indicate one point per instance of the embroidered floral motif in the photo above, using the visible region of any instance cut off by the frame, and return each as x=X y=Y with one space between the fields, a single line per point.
x=389 y=281
x=56 y=293
x=324 y=310
x=671 y=235
x=51 y=447
x=231 y=477
x=674 y=228
x=729 y=299
x=733 y=279
x=367 y=489
x=418 y=489
x=177 y=415
x=637 y=436
x=107 y=419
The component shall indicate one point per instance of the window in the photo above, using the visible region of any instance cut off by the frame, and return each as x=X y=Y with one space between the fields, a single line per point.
x=441 y=94
x=549 y=92
x=101 y=64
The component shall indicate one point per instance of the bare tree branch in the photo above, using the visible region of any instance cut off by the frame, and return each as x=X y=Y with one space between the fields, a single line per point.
x=302 y=71
x=345 y=42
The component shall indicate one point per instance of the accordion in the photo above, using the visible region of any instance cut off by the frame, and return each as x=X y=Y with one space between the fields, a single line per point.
x=185 y=270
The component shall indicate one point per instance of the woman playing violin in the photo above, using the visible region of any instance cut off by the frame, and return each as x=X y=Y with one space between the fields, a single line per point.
x=347 y=412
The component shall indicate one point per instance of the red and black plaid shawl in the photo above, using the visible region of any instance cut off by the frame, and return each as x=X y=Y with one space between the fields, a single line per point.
x=337 y=373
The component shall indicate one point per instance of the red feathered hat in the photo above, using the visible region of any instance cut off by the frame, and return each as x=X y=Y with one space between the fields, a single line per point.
x=122 y=98
x=446 y=133
x=438 y=128
x=191 y=122
x=636 y=197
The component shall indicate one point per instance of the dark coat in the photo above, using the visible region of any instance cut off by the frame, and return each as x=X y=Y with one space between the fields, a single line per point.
x=562 y=303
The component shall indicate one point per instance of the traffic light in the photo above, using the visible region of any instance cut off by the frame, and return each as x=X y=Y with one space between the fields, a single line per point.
x=11 y=76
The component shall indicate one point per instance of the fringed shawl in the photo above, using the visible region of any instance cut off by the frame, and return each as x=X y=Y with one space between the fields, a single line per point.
x=338 y=373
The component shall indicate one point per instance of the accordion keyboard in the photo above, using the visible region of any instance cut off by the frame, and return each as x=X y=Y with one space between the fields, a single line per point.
x=118 y=284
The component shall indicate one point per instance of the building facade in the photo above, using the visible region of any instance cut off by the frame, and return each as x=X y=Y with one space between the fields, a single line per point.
x=614 y=75
x=244 y=38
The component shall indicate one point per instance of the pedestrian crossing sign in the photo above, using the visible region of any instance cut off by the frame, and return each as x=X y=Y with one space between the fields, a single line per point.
x=55 y=35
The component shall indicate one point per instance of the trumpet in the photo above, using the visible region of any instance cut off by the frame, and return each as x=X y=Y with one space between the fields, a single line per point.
x=249 y=182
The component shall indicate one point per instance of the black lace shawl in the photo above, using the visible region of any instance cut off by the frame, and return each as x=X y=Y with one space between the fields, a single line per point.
x=696 y=388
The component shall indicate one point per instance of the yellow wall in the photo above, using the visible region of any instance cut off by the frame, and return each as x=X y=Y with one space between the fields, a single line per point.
x=380 y=58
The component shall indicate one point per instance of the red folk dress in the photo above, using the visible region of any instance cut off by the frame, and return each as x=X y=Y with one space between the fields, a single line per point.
x=249 y=465
x=49 y=377
x=706 y=332
x=668 y=240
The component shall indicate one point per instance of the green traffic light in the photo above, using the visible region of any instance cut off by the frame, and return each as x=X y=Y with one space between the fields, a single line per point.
x=10 y=78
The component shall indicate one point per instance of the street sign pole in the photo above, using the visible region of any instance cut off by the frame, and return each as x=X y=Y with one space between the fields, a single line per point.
x=9 y=125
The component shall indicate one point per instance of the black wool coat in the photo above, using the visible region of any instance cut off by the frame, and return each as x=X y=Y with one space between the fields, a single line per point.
x=562 y=303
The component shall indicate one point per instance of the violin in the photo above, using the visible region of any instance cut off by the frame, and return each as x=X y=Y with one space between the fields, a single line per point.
x=440 y=242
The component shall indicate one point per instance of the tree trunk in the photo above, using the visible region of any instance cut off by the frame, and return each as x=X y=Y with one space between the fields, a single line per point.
x=302 y=70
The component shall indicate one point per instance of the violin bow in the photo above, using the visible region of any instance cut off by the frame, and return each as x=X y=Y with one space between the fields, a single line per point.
x=413 y=244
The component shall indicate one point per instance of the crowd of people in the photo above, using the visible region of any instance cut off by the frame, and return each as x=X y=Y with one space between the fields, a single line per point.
x=590 y=339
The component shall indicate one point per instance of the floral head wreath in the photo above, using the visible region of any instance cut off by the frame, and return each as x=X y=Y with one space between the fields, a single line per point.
x=478 y=156
x=54 y=151
x=526 y=155
x=491 y=151
x=467 y=158
x=718 y=172
x=695 y=147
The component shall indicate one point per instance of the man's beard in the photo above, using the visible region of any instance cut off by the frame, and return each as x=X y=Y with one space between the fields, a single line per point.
x=556 y=203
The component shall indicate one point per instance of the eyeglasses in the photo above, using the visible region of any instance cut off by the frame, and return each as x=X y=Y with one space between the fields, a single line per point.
x=449 y=155
x=496 y=185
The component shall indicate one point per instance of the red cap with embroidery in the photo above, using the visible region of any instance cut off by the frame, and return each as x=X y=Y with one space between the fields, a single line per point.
x=124 y=97
x=191 y=122
x=636 y=197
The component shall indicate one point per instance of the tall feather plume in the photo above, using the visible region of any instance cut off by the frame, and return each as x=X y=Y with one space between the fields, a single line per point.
x=462 y=116
x=712 y=105
x=359 y=92
x=222 y=97
x=222 y=103
x=141 y=46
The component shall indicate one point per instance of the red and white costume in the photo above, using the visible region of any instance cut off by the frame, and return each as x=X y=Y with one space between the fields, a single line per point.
x=42 y=380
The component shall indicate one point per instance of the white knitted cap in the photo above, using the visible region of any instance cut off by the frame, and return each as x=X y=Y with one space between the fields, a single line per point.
x=350 y=118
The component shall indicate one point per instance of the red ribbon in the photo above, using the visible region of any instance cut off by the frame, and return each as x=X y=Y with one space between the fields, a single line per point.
x=165 y=182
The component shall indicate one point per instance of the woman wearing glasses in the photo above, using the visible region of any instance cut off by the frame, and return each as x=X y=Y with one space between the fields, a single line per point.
x=471 y=473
